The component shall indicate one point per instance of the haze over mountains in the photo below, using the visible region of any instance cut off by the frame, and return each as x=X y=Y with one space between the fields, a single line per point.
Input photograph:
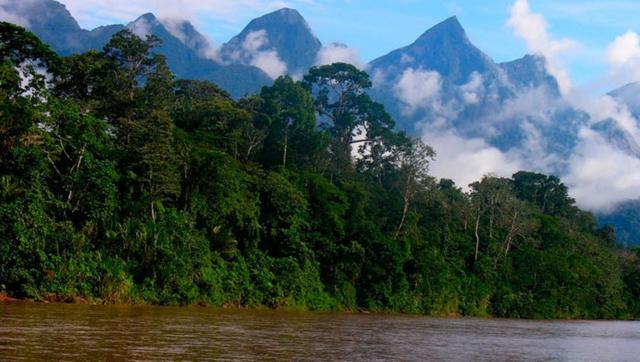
x=480 y=116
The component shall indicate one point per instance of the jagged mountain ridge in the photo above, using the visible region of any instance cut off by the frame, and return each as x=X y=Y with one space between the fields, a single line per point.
x=475 y=93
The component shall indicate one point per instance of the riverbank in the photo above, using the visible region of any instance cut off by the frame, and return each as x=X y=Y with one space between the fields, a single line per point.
x=60 y=300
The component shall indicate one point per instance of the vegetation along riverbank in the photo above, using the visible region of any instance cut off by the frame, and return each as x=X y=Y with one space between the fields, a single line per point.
x=122 y=184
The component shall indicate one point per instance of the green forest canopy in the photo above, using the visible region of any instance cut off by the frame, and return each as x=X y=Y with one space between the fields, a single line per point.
x=121 y=184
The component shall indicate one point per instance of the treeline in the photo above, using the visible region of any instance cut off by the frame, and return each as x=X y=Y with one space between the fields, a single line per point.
x=120 y=184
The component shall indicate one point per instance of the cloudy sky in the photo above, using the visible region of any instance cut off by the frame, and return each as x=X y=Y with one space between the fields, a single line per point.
x=375 y=27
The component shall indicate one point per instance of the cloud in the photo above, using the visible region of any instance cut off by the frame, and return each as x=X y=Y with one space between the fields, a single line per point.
x=472 y=90
x=623 y=56
x=466 y=160
x=255 y=40
x=254 y=50
x=624 y=49
x=266 y=59
x=416 y=88
x=600 y=175
x=14 y=12
x=270 y=63
x=339 y=53
x=606 y=108
x=533 y=29
x=141 y=28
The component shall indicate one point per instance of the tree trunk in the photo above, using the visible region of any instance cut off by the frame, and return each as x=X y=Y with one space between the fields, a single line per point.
x=153 y=211
x=492 y=203
x=284 y=148
x=477 y=234
x=509 y=238
x=405 y=209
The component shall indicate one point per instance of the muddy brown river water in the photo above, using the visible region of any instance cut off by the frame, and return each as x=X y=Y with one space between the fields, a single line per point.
x=87 y=333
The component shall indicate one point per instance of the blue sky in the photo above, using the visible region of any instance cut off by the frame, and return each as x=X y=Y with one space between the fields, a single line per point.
x=375 y=27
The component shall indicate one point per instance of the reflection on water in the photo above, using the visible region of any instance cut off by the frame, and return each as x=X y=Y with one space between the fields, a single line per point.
x=73 y=332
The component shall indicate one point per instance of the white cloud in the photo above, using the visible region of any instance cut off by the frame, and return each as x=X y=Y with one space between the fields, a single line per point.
x=600 y=175
x=140 y=27
x=623 y=56
x=270 y=63
x=533 y=29
x=339 y=53
x=255 y=40
x=607 y=108
x=255 y=48
x=472 y=90
x=178 y=27
x=406 y=59
x=625 y=48
x=416 y=88
x=467 y=160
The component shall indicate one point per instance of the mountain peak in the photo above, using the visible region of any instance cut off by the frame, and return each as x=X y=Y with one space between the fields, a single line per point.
x=148 y=17
x=291 y=16
x=284 y=31
x=451 y=21
x=285 y=17
x=286 y=12
x=448 y=29
x=443 y=48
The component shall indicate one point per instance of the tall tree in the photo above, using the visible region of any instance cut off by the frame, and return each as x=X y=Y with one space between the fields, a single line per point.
x=347 y=110
x=142 y=115
x=292 y=124
x=413 y=165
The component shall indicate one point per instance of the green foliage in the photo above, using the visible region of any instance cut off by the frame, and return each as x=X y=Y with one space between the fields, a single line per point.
x=119 y=184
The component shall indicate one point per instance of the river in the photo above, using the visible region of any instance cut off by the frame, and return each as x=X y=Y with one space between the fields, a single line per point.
x=82 y=332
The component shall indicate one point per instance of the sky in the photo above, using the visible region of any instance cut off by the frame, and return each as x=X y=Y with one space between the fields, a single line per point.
x=375 y=27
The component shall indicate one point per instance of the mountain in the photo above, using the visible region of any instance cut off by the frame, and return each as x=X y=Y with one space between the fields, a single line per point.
x=183 y=60
x=284 y=32
x=464 y=90
x=55 y=25
x=530 y=72
x=625 y=219
x=630 y=96
x=187 y=51
x=444 y=48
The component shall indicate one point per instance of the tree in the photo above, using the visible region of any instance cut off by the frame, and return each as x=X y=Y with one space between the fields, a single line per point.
x=24 y=63
x=154 y=143
x=547 y=192
x=292 y=124
x=413 y=164
x=211 y=116
x=134 y=63
x=142 y=116
x=346 y=109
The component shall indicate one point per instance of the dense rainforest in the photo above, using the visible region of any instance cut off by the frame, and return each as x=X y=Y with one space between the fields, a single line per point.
x=121 y=184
